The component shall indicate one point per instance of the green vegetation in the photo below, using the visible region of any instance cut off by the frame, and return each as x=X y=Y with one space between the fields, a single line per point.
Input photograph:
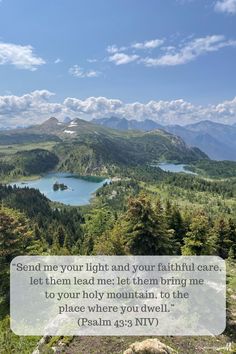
x=103 y=153
x=93 y=149
x=12 y=149
x=19 y=137
x=15 y=238
x=150 y=227
x=59 y=186
x=27 y=163
x=10 y=343
x=144 y=210
x=214 y=169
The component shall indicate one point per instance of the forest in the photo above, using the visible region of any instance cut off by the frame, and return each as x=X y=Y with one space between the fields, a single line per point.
x=141 y=211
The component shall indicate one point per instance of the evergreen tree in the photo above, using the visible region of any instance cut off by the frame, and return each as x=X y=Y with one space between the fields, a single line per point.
x=111 y=242
x=222 y=235
x=176 y=223
x=61 y=235
x=144 y=228
x=15 y=238
x=196 y=240
x=98 y=221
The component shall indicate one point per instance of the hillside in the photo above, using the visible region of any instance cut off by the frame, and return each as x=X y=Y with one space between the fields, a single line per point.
x=26 y=163
x=87 y=148
x=217 y=140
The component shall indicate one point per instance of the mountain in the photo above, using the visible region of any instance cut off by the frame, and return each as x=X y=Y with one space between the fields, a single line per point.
x=67 y=120
x=217 y=140
x=125 y=124
x=88 y=148
x=33 y=134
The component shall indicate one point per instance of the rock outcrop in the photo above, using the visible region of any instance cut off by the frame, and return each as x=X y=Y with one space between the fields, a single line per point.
x=149 y=346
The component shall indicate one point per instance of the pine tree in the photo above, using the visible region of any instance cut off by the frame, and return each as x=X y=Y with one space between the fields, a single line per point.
x=222 y=234
x=175 y=222
x=15 y=238
x=110 y=243
x=144 y=228
x=61 y=235
x=98 y=221
x=196 y=240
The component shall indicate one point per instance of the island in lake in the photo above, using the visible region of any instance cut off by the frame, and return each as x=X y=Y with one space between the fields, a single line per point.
x=59 y=186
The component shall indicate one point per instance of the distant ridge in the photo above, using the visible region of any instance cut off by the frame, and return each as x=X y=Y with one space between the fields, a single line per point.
x=217 y=140
x=87 y=148
x=125 y=124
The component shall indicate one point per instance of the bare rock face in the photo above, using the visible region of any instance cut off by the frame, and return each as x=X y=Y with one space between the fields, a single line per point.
x=149 y=346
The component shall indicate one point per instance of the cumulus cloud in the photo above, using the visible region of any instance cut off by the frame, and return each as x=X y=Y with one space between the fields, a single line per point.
x=27 y=109
x=35 y=107
x=189 y=51
x=154 y=43
x=228 y=6
x=122 y=58
x=22 y=57
x=79 y=72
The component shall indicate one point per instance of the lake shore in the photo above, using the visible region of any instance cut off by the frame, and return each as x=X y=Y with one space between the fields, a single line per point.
x=80 y=189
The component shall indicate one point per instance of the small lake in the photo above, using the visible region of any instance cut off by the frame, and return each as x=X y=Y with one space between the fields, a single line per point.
x=172 y=167
x=79 y=192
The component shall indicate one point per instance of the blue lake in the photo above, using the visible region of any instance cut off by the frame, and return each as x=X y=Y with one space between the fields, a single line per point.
x=79 y=191
x=171 y=167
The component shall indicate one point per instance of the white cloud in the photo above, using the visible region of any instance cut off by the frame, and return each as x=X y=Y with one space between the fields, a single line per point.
x=112 y=49
x=189 y=51
x=22 y=57
x=58 y=61
x=164 y=112
x=228 y=6
x=30 y=108
x=151 y=44
x=35 y=107
x=79 y=72
x=122 y=58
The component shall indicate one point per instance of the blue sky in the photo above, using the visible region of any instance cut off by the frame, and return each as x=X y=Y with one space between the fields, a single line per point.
x=173 y=53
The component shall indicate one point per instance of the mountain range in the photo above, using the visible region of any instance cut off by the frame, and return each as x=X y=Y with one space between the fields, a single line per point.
x=88 y=148
x=125 y=124
x=217 y=140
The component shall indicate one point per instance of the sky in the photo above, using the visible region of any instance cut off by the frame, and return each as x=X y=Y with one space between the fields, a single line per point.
x=172 y=61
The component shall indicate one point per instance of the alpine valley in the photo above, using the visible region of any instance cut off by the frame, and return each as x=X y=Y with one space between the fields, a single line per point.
x=137 y=208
